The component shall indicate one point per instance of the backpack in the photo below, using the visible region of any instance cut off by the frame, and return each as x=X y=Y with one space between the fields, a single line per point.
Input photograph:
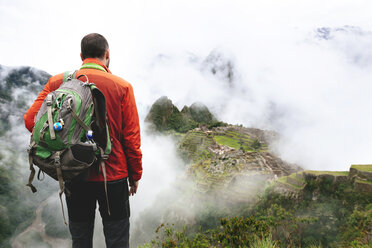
x=70 y=134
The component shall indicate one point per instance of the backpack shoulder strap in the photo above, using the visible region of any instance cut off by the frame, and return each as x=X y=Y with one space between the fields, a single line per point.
x=99 y=102
x=68 y=75
x=93 y=66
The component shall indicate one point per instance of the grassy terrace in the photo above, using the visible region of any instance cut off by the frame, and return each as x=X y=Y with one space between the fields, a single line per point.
x=196 y=144
x=284 y=181
x=238 y=135
x=362 y=167
x=293 y=175
x=227 y=141
x=362 y=181
x=333 y=173
x=236 y=141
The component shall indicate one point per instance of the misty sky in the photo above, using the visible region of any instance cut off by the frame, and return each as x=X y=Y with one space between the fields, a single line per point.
x=303 y=68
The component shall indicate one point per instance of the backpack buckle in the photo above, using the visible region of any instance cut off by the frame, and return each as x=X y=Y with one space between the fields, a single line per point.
x=49 y=100
x=70 y=75
x=31 y=146
x=102 y=154
x=57 y=159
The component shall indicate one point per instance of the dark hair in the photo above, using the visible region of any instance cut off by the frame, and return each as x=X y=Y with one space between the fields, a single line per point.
x=93 y=46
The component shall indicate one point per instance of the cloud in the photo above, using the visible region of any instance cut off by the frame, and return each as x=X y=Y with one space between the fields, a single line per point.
x=304 y=67
x=312 y=91
x=161 y=166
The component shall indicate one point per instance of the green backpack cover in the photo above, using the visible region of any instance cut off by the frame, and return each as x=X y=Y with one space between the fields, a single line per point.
x=61 y=144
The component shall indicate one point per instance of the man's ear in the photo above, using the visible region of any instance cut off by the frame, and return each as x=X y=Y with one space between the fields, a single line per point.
x=81 y=56
x=107 y=54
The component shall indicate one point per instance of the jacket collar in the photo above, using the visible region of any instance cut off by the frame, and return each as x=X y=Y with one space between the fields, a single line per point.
x=96 y=61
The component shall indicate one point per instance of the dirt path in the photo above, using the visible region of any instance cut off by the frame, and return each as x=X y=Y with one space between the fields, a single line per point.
x=38 y=226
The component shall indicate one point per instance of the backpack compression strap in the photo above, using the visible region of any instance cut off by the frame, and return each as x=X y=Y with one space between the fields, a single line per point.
x=57 y=164
x=32 y=169
x=49 y=102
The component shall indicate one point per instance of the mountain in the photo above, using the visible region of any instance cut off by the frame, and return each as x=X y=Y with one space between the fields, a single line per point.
x=227 y=166
x=19 y=87
x=233 y=190
x=221 y=66
x=165 y=116
x=236 y=191
x=214 y=148
x=225 y=156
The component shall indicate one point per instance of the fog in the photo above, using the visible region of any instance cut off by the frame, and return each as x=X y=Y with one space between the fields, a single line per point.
x=313 y=91
x=301 y=68
x=161 y=165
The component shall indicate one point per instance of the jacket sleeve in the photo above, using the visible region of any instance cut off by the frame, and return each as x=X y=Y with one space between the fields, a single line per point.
x=29 y=117
x=131 y=138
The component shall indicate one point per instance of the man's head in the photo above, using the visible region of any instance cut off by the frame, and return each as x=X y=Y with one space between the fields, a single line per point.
x=95 y=46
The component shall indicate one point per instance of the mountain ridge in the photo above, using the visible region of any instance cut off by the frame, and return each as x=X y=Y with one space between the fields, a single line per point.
x=164 y=116
x=231 y=173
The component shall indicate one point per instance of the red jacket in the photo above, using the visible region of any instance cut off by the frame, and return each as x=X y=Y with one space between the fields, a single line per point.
x=126 y=156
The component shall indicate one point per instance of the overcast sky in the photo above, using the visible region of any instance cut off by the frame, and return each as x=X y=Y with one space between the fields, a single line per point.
x=46 y=34
x=303 y=68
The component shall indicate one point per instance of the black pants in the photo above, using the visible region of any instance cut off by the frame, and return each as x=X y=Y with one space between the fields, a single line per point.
x=81 y=201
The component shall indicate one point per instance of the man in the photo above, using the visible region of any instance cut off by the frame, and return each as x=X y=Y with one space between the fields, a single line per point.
x=124 y=162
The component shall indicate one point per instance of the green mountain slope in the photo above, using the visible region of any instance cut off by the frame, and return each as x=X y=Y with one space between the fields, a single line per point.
x=18 y=88
x=305 y=209
x=236 y=193
x=226 y=166
x=164 y=116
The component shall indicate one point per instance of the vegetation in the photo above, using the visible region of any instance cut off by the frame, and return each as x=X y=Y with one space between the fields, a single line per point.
x=256 y=144
x=324 y=214
x=265 y=242
x=308 y=209
x=13 y=213
x=24 y=76
x=217 y=124
x=17 y=203
x=33 y=239
x=165 y=116
x=232 y=232
x=334 y=173
x=322 y=211
x=54 y=225
x=244 y=144
x=363 y=167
